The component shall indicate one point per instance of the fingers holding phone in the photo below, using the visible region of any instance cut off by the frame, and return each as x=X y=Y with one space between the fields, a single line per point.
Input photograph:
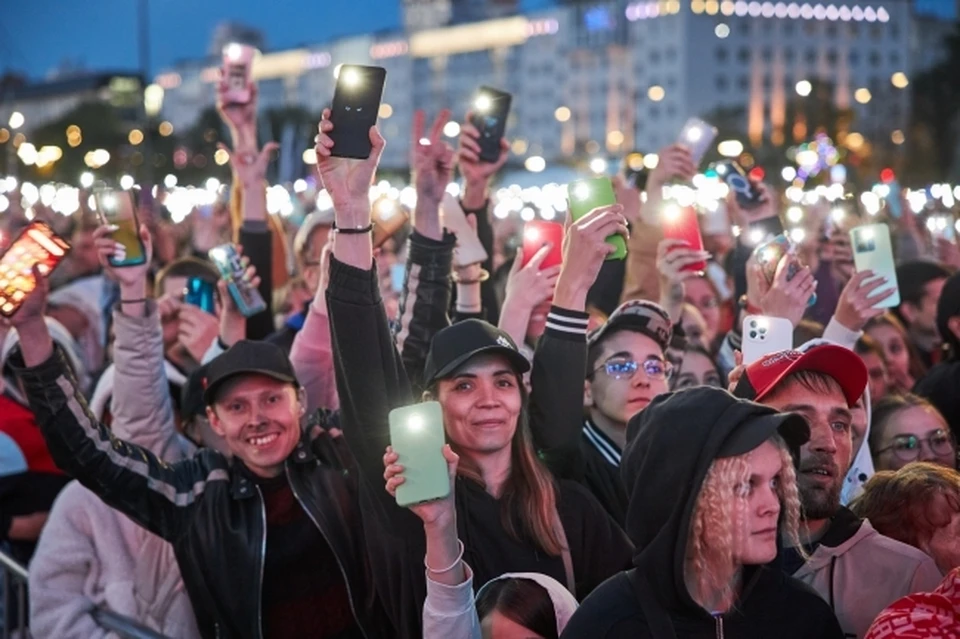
x=347 y=179
x=860 y=300
x=113 y=255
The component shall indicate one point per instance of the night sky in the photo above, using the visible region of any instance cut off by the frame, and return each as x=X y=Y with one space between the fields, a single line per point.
x=36 y=36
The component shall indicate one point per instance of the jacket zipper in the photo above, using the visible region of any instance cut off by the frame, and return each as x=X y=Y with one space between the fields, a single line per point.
x=343 y=573
x=719 y=620
x=263 y=558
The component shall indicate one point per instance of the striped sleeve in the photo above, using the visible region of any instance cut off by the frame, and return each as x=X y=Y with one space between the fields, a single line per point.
x=567 y=324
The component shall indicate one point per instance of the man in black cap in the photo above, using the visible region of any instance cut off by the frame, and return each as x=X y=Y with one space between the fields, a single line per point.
x=626 y=369
x=942 y=384
x=268 y=538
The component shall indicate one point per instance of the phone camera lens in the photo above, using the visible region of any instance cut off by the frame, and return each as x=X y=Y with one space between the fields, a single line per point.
x=753 y=323
x=753 y=335
x=763 y=331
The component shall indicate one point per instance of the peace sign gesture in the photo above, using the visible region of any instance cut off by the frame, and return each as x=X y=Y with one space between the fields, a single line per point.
x=432 y=162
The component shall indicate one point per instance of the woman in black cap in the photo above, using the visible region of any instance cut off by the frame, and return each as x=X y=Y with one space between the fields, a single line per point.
x=511 y=514
x=712 y=490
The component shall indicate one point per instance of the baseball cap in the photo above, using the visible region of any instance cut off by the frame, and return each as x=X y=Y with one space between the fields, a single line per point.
x=949 y=306
x=842 y=364
x=247 y=357
x=456 y=344
x=640 y=316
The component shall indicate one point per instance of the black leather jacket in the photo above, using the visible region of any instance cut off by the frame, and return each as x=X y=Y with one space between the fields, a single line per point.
x=207 y=507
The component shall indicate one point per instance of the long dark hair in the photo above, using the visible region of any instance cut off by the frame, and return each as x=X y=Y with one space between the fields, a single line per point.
x=523 y=601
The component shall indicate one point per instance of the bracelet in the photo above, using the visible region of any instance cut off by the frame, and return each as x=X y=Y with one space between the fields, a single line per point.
x=455 y=563
x=483 y=277
x=136 y=301
x=354 y=231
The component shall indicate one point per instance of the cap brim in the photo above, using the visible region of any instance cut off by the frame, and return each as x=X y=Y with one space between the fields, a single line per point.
x=210 y=392
x=517 y=360
x=840 y=363
x=757 y=429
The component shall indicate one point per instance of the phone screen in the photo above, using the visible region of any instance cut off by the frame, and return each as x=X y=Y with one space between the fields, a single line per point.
x=873 y=251
x=116 y=207
x=536 y=235
x=200 y=293
x=37 y=245
x=697 y=136
x=356 y=103
x=589 y=194
x=489 y=110
x=681 y=223
x=748 y=197
x=417 y=436
x=764 y=230
x=237 y=65
x=247 y=298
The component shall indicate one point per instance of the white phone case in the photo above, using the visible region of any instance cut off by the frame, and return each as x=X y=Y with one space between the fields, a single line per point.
x=872 y=250
x=763 y=335
x=697 y=136
x=469 y=250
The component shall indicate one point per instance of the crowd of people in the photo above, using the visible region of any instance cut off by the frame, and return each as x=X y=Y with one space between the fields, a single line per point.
x=615 y=467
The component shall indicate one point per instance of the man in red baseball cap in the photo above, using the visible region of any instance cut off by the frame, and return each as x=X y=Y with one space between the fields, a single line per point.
x=856 y=569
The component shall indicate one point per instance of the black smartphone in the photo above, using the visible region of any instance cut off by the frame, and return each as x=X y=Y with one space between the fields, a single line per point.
x=764 y=230
x=200 y=293
x=748 y=196
x=489 y=113
x=356 y=103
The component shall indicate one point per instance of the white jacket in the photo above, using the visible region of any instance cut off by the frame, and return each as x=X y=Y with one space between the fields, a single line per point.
x=91 y=556
x=865 y=572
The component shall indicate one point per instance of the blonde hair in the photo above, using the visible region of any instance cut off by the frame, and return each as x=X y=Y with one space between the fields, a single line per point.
x=719 y=523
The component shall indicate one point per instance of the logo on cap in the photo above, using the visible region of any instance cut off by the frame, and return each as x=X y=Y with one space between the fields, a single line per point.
x=503 y=341
x=776 y=358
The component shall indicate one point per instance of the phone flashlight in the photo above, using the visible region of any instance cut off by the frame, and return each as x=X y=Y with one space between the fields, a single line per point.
x=837 y=214
x=756 y=236
x=483 y=103
x=671 y=212
x=108 y=201
x=867 y=234
x=694 y=134
x=234 y=51
x=415 y=423
x=218 y=254
x=386 y=209
x=581 y=191
x=351 y=78
x=531 y=234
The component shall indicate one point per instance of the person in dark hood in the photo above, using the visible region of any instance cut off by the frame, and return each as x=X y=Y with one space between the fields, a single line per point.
x=706 y=520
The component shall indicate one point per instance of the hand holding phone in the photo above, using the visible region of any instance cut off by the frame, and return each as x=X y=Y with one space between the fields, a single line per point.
x=356 y=104
x=585 y=196
x=748 y=196
x=116 y=209
x=417 y=437
x=536 y=235
x=873 y=251
x=200 y=293
x=36 y=247
x=681 y=223
x=697 y=136
x=469 y=249
x=227 y=259
x=488 y=115
x=763 y=335
x=237 y=66
x=769 y=255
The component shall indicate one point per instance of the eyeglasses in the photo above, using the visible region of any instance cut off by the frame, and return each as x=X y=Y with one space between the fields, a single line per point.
x=623 y=368
x=907 y=447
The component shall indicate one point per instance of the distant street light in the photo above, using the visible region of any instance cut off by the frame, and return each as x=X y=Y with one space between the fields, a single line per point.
x=804 y=88
x=16 y=120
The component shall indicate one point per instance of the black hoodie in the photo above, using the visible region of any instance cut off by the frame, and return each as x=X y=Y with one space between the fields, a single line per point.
x=671 y=446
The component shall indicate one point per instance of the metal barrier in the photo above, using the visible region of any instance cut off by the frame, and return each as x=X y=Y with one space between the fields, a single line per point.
x=15 y=576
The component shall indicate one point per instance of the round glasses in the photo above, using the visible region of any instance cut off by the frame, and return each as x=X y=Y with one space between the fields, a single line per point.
x=625 y=368
x=907 y=447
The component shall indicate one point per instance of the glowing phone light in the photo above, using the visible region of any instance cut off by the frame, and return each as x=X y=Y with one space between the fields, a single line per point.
x=483 y=103
x=351 y=78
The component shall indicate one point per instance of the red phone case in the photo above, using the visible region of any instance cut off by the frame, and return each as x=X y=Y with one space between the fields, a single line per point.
x=536 y=234
x=683 y=225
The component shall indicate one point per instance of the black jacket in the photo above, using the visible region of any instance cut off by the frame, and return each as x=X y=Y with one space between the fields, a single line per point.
x=372 y=380
x=673 y=442
x=205 y=506
x=600 y=472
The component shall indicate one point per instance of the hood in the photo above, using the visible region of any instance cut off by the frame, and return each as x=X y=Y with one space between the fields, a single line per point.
x=671 y=446
x=100 y=400
x=61 y=337
x=86 y=296
x=564 y=604
x=861 y=468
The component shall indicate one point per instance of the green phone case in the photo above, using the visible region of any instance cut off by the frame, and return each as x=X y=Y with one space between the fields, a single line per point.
x=586 y=195
x=416 y=434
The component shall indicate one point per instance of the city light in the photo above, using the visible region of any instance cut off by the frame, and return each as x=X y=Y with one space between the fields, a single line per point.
x=562 y=114
x=598 y=165
x=519 y=146
x=126 y=182
x=221 y=157
x=16 y=120
x=730 y=148
x=615 y=138
x=897 y=137
x=899 y=80
x=651 y=160
x=310 y=156
x=535 y=164
x=451 y=129
x=165 y=129
x=385 y=111
x=862 y=95
x=170 y=180
x=212 y=184
x=86 y=179
x=153 y=100
x=789 y=174
x=135 y=137
x=854 y=141
x=722 y=30
x=794 y=214
x=656 y=93
x=4 y=136
x=804 y=88
x=27 y=153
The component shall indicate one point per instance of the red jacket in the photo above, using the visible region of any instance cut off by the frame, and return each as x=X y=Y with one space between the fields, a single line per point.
x=922 y=615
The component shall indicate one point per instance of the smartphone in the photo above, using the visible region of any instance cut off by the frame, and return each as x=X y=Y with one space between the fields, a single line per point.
x=237 y=65
x=489 y=112
x=116 y=207
x=416 y=434
x=763 y=335
x=872 y=250
x=247 y=298
x=398 y=273
x=356 y=102
x=388 y=217
x=760 y=231
x=681 y=223
x=697 y=136
x=893 y=200
x=469 y=249
x=536 y=235
x=200 y=293
x=586 y=195
x=769 y=255
x=748 y=197
x=35 y=245
x=634 y=172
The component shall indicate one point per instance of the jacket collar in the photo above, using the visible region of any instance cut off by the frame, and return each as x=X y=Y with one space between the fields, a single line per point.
x=243 y=483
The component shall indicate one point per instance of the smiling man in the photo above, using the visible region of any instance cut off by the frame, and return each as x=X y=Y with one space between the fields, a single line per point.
x=856 y=569
x=266 y=536
x=626 y=369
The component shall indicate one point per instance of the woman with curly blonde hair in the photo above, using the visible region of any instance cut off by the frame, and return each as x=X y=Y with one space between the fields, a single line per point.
x=713 y=491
